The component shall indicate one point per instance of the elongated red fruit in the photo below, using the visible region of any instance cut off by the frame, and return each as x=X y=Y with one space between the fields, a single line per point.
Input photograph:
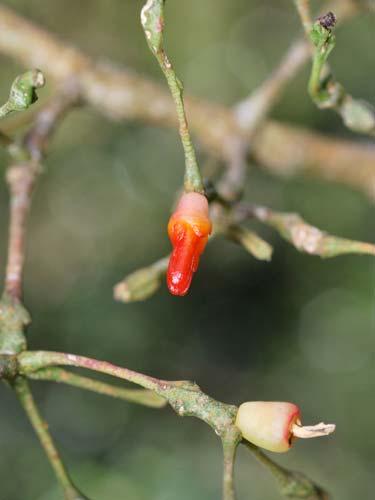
x=188 y=230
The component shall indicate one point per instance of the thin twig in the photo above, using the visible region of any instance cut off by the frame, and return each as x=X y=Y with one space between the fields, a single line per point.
x=21 y=178
x=141 y=396
x=152 y=19
x=254 y=109
x=39 y=135
x=34 y=361
x=41 y=429
x=291 y=484
x=324 y=90
x=303 y=236
x=229 y=455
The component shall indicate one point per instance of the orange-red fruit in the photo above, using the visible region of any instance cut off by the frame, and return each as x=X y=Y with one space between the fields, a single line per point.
x=268 y=424
x=188 y=230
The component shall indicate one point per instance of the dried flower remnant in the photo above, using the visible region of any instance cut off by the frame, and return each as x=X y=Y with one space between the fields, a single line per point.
x=189 y=228
x=328 y=21
x=274 y=425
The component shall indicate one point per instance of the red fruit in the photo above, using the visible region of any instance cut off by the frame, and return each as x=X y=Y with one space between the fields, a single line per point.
x=188 y=230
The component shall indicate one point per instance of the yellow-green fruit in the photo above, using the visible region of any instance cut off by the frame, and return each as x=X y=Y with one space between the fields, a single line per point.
x=268 y=424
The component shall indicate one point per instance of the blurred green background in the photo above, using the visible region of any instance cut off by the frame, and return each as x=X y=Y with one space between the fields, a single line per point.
x=298 y=328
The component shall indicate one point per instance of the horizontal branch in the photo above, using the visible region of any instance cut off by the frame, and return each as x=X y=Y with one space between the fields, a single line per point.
x=32 y=361
x=119 y=94
x=286 y=151
x=141 y=396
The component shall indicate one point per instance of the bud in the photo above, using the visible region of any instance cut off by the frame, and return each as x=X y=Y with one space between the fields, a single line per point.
x=141 y=284
x=188 y=230
x=274 y=425
x=23 y=90
x=250 y=241
x=152 y=19
x=358 y=115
